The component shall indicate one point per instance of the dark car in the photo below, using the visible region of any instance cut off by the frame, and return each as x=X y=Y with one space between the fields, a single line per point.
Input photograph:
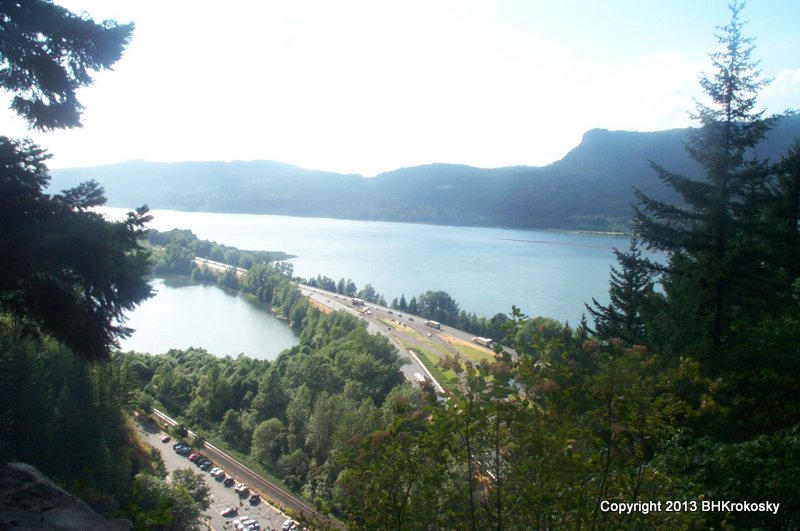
x=165 y=439
x=255 y=498
x=229 y=482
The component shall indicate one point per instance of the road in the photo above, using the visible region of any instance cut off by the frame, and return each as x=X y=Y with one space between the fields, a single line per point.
x=375 y=325
x=406 y=329
x=268 y=516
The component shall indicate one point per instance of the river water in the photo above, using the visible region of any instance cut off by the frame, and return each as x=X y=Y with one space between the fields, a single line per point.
x=486 y=270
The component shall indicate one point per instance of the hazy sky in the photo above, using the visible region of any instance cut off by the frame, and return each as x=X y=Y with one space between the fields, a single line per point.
x=372 y=86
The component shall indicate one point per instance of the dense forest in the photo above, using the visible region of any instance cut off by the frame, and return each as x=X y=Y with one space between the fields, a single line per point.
x=682 y=391
x=590 y=188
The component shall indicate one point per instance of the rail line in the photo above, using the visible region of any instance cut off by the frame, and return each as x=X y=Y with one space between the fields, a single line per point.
x=272 y=491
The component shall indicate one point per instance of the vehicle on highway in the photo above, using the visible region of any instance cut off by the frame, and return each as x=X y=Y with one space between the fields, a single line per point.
x=484 y=341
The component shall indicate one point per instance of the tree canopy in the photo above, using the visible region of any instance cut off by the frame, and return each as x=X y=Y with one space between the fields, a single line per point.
x=66 y=270
x=47 y=53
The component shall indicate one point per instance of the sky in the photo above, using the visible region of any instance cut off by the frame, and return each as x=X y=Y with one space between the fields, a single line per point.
x=371 y=86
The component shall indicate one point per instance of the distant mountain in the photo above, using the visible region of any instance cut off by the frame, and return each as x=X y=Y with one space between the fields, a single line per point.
x=590 y=188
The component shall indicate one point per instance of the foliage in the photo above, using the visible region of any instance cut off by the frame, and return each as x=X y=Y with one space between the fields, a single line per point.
x=711 y=262
x=588 y=189
x=64 y=416
x=174 y=252
x=439 y=306
x=631 y=291
x=66 y=270
x=159 y=505
x=48 y=53
x=294 y=413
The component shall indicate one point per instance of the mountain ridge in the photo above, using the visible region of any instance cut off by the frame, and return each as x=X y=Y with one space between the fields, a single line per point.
x=590 y=188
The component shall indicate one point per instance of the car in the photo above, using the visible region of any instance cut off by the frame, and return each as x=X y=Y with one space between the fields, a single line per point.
x=165 y=439
x=216 y=470
x=242 y=523
x=206 y=465
x=181 y=448
x=241 y=489
x=194 y=457
x=255 y=498
x=289 y=525
x=410 y=318
x=229 y=511
x=229 y=482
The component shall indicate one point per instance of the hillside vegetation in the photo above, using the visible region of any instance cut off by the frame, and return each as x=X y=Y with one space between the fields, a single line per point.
x=591 y=188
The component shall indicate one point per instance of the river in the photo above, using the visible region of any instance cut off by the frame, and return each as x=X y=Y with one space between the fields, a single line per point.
x=486 y=270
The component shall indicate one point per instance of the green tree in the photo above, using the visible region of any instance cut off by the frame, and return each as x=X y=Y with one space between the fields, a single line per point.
x=66 y=270
x=630 y=290
x=711 y=269
x=231 y=429
x=267 y=437
x=439 y=306
x=48 y=53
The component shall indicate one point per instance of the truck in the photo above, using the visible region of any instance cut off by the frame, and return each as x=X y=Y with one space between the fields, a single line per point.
x=433 y=324
x=485 y=341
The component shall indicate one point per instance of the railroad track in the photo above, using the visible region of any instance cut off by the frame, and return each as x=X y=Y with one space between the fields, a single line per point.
x=269 y=490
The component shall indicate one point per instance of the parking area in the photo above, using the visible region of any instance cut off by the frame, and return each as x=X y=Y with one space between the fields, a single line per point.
x=224 y=497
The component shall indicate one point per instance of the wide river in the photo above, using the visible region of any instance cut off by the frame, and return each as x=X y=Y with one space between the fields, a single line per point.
x=486 y=270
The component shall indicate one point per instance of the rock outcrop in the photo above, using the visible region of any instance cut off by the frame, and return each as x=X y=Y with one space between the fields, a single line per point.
x=31 y=501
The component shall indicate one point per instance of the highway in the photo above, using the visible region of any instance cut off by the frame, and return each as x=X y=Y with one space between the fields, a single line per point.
x=405 y=328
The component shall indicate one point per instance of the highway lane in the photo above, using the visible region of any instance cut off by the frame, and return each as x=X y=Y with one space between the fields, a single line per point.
x=375 y=325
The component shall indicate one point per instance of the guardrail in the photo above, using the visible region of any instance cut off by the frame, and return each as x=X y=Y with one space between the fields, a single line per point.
x=272 y=491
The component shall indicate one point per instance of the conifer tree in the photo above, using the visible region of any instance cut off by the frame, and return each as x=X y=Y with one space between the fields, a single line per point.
x=630 y=288
x=709 y=272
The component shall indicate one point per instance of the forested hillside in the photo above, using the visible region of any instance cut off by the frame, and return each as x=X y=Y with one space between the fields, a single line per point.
x=590 y=188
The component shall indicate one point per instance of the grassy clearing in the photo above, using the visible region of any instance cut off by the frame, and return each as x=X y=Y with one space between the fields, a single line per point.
x=447 y=379
x=470 y=351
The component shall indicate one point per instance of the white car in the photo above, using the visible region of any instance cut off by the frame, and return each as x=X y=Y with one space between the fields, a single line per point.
x=243 y=523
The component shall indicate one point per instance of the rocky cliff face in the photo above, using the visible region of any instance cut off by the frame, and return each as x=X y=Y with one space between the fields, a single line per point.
x=31 y=501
